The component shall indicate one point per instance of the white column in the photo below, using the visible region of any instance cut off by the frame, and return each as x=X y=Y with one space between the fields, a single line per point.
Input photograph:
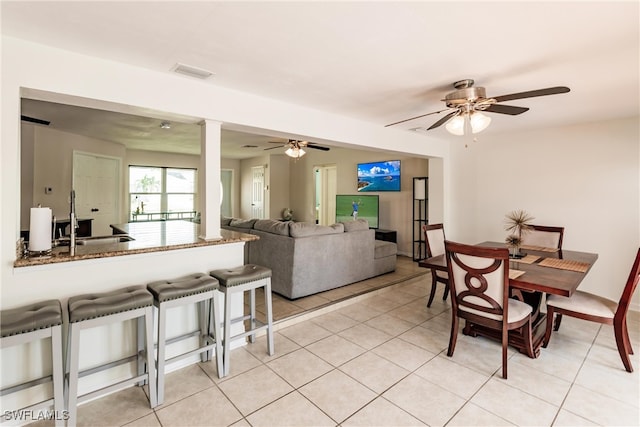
x=209 y=180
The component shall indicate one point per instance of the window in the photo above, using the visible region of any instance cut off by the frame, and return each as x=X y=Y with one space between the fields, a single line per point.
x=161 y=193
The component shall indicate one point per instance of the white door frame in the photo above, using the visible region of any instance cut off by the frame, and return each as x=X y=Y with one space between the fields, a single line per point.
x=326 y=189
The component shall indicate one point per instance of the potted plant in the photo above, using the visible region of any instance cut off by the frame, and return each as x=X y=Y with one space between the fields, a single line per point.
x=517 y=222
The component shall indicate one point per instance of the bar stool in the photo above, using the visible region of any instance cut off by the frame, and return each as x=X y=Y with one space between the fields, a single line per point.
x=31 y=323
x=240 y=279
x=197 y=289
x=92 y=310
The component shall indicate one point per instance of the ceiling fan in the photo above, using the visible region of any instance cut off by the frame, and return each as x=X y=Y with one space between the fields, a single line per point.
x=295 y=148
x=466 y=104
x=34 y=120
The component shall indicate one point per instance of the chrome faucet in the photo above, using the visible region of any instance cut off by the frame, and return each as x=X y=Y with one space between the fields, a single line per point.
x=73 y=224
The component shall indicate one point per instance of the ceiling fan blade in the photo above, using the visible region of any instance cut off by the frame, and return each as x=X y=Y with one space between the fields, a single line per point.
x=271 y=148
x=417 y=117
x=533 y=93
x=506 y=109
x=34 y=120
x=444 y=119
x=318 y=147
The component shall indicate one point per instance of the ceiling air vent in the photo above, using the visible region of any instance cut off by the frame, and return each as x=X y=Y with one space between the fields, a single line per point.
x=188 y=70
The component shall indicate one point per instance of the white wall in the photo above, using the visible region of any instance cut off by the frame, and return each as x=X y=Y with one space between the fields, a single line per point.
x=585 y=178
x=279 y=184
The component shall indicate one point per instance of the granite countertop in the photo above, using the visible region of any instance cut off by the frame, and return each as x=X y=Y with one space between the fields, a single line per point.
x=153 y=236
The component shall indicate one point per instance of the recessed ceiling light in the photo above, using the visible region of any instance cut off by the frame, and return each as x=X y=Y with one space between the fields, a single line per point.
x=192 y=71
x=165 y=125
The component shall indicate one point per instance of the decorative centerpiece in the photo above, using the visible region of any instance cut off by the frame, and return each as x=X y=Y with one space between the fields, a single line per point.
x=518 y=222
x=287 y=214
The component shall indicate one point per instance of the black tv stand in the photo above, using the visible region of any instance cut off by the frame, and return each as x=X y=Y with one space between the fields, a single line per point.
x=386 y=235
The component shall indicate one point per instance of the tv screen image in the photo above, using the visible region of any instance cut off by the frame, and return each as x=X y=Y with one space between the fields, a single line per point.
x=379 y=176
x=364 y=207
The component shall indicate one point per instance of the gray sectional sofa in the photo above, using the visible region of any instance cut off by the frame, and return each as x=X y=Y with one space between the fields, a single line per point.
x=308 y=258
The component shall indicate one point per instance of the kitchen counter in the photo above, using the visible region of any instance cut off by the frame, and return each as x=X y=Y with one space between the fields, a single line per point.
x=154 y=236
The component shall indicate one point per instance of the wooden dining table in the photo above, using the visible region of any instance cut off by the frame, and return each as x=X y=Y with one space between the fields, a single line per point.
x=546 y=271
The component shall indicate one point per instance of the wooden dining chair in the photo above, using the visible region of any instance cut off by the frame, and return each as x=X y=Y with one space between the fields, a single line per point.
x=434 y=236
x=544 y=236
x=594 y=308
x=479 y=281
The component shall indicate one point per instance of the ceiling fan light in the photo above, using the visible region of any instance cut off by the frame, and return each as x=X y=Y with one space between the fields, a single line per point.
x=455 y=126
x=295 y=152
x=479 y=122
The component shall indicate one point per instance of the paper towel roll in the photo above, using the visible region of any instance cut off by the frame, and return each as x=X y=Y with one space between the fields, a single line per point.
x=40 y=230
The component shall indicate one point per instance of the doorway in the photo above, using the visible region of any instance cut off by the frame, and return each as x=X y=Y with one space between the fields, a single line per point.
x=257 y=192
x=326 y=183
x=226 y=196
x=96 y=181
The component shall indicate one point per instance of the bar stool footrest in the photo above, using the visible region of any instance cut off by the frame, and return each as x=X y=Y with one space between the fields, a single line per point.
x=250 y=332
x=111 y=388
x=109 y=365
x=29 y=384
x=193 y=352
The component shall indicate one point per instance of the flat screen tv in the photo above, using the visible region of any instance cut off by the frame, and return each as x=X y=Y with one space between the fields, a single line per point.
x=379 y=176
x=358 y=206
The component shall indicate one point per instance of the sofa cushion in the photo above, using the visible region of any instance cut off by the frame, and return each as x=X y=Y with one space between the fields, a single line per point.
x=225 y=220
x=383 y=249
x=305 y=229
x=272 y=226
x=242 y=223
x=357 y=225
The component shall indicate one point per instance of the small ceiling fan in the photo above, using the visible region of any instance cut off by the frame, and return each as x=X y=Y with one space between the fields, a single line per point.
x=467 y=102
x=295 y=148
x=34 y=120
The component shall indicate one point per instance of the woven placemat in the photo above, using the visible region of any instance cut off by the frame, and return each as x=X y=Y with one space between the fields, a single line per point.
x=539 y=248
x=565 y=264
x=529 y=259
x=514 y=274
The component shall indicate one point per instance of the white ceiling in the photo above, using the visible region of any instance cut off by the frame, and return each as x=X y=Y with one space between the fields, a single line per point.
x=377 y=61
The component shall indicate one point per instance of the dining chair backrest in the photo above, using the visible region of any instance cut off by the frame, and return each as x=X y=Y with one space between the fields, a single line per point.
x=434 y=236
x=629 y=288
x=479 y=279
x=544 y=236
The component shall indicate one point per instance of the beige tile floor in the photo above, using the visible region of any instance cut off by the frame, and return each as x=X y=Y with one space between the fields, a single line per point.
x=381 y=361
